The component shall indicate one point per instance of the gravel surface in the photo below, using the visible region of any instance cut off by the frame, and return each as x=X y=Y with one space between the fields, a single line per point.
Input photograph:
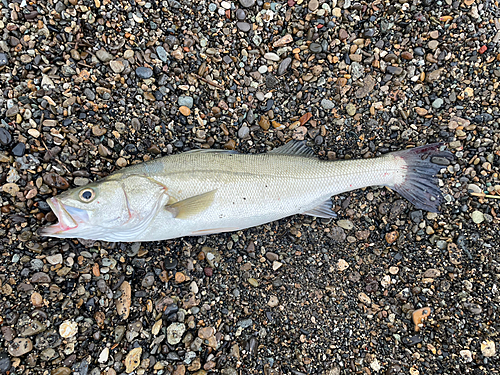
x=90 y=86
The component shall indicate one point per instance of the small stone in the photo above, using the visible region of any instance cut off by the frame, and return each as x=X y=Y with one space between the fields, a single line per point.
x=175 y=332
x=283 y=67
x=433 y=44
x=5 y=137
x=184 y=110
x=3 y=61
x=144 y=72
x=346 y=224
x=206 y=332
x=271 y=56
x=283 y=41
x=20 y=346
x=419 y=316
x=124 y=301
x=350 y=109
x=342 y=265
x=488 y=348
x=5 y=362
x=432 y=273
x=40 y=277
x=273 y=301
x=437 y=103
x=327 y=104
x=247 y=3
x=477 y=217
x=116 y=66
x=133 y=360
x=186 y=101
x=390 y=237
x=364 y=299
x=104 y=55
x=264 y=123
x=466 y=355
x=104 y=355
x=313 y=5
x=406 y=55
x=343 y=35
x=68 y=329
x=54 y=180
x=243 y=26
x=421 y=111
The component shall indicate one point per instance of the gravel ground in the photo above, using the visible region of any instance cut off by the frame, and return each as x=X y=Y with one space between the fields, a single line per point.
x=90 y=86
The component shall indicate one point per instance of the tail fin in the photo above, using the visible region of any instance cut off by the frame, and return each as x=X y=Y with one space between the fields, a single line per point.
x=418 y=183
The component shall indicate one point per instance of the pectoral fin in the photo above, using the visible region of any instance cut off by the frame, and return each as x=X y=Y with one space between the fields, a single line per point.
x=191 y=206
x=324 y=210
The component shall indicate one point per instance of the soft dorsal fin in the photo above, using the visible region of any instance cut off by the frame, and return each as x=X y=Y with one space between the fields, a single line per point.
x=324 y=210
x=210 y=151
x=295 y=148
x=191 y=206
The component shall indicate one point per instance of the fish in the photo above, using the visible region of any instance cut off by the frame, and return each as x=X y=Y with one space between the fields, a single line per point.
x=203 y=192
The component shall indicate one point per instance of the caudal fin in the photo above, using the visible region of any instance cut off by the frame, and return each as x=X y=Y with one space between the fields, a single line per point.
x=418 y=182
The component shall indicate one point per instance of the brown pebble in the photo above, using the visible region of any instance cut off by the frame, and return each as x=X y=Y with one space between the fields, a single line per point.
x=305 y=117
x=98 y=131
x=54 y=180
x=421 y=111
x=184 y=110
x=180 y=277
x=406 y=55
x=391 y=237
x=124 y=301
x=206 y=332
x=264 y=122
x=420 y=315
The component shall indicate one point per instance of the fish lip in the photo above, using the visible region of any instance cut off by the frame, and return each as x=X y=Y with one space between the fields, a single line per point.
x=65 y=221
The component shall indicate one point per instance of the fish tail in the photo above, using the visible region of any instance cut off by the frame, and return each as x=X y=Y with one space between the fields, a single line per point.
x=415 y=177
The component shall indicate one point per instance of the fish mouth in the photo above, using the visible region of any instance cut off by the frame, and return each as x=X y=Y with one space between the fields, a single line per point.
x=68 y=218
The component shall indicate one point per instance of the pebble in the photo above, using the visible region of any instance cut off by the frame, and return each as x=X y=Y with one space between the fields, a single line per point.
x=117 y=66
x=5 y=362
x=346 y=224
x=350 y=109
x=477 y=217
x=327 y=104
x=68 y=329
x=247 y=3
x=5 y=137
x=184 y=110
x=133 y=359
x=437 y=103
x=124 y=301
x=144 y=72
x=104 y=55
x=3 y=59
x=186 y=101
x=488 y=348
x=20 y=346
x=175 y=332
x=342 y=265
x=243 y=26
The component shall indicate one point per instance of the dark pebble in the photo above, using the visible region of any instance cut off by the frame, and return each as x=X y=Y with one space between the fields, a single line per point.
x=369 y=33
x=143 y=72
x=412 y=340
x=170 y=262
x=247 y=3
x=19 y=149
x=5 y=137
x=271 y=81
x=208 y=271
x=243 y=26
x=240 y=14
x=4 y=362
x=419 y=51
x=54 y=180
x=3 y=59
x=284 y=66
x=315 y=47
x=395 y=70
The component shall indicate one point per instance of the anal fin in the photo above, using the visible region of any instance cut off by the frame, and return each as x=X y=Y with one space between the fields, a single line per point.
x=324 y=210
x=191 y=206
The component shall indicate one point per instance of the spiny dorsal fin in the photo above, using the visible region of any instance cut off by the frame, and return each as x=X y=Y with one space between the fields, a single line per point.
x=324 y=210
x=294 y=148
x=191 y=206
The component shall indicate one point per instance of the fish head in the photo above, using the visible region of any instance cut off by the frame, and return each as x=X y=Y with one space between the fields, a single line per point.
x=114 y=209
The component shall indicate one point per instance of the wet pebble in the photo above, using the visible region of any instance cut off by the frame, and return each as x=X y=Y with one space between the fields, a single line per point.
x=144 y=72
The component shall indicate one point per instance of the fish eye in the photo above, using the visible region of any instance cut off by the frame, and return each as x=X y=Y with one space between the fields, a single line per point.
x=87 y=195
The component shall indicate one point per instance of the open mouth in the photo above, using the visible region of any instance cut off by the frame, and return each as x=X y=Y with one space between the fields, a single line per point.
x=69 y=218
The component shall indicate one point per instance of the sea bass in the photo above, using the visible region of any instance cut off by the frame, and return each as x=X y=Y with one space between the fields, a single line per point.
x=203 y=192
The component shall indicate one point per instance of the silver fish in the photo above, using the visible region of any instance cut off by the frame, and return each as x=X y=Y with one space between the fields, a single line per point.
x=212 y=191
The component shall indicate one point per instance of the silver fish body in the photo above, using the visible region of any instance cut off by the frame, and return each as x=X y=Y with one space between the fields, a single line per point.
x=205 y=192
